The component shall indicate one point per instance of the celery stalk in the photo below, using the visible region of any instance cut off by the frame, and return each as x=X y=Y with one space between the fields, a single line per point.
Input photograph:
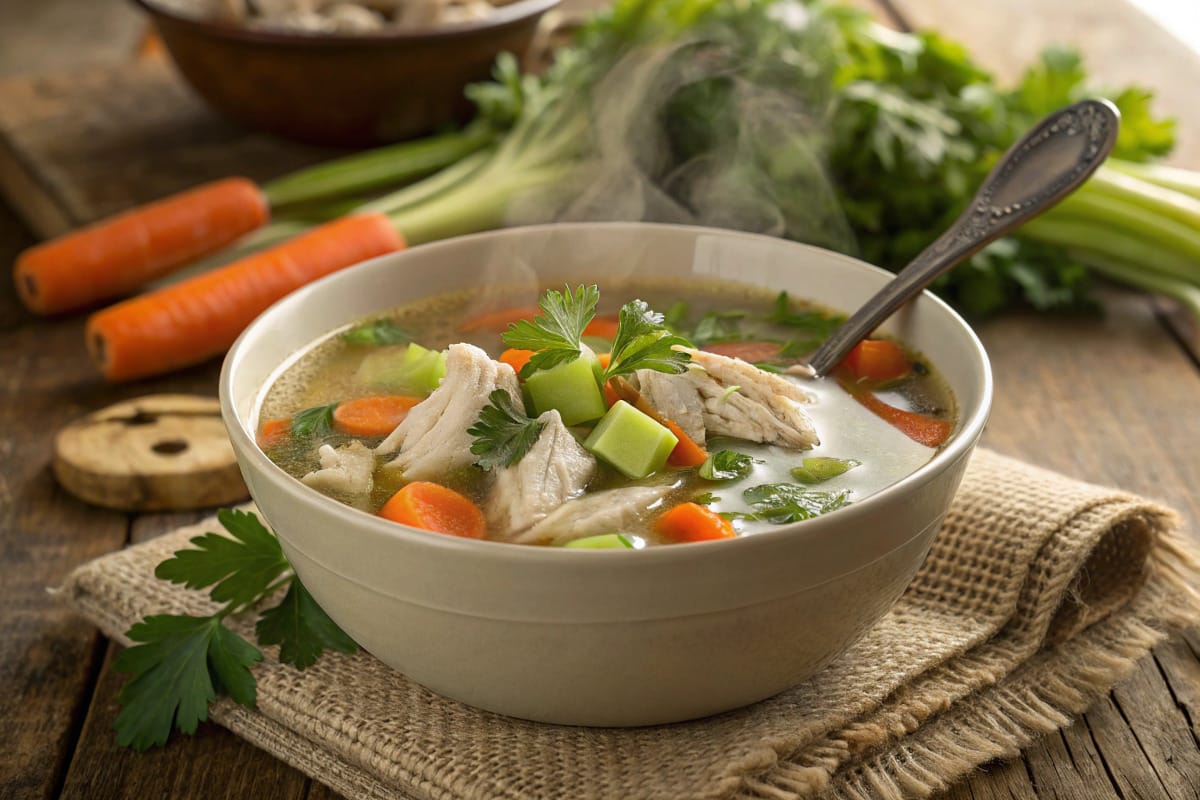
x=383 y=166
x=427 y=189
x=1185 y=293
x=1133 y=218
x=1098 y=236
x=1185 y=181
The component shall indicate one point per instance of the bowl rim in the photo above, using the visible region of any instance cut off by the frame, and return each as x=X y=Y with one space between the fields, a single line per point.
x=505 y=16
x=961 y=445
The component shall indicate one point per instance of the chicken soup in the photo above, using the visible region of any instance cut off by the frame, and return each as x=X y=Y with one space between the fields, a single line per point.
x=654 y=414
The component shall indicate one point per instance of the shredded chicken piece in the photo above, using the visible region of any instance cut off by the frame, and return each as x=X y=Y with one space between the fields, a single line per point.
x=603 y=512
x=555 y=469
x=345 y=472
x=674 y=398
x=433 y=438
x=744 y=401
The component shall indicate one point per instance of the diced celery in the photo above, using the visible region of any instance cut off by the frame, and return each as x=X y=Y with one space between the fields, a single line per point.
x=571 y=388
x=818 y=469
x=411 y=370
x=630 y=441
x=604 y=541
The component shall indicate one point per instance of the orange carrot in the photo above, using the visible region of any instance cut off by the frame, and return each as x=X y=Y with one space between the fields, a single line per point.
x=497 y=321
x=375 y=415
x=274 y=432
x=116 y=255
x=602 y=327
x=605 y=359
x=928 y=431
x=687 y=453
x=433 y=507
x=515 y=358
x=193 y=320
x=753 y=352
x=692 y=522
x=878 y=360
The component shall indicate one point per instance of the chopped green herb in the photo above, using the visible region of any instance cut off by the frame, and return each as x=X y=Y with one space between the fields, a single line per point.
x=503 y=434
x=179 y=663
x=819 y=324
x=706 y=499
x=313 y=422
x=781 y=503
x=381 y=331
x=555 y=334
x=818 y=469
x=675 y=318
x=719 y=326
x=725 y=465
x=642 y=342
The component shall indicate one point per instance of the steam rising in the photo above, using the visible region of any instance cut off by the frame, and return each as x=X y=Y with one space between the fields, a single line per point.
x=689 y=134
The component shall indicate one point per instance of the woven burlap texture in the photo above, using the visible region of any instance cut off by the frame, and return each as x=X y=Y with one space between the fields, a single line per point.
x=1039 y=594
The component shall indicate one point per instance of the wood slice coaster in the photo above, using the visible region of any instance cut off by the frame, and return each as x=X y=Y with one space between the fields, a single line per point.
x=154 y=453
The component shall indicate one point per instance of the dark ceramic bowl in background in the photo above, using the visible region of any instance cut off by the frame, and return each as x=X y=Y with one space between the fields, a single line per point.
x=339 y=89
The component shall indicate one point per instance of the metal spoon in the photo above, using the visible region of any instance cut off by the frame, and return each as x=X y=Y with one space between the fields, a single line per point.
x=1048 y=163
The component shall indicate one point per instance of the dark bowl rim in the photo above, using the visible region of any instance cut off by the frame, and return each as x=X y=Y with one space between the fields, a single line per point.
x=505 y=16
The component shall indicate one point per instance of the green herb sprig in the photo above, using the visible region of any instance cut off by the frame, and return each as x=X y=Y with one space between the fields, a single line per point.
x=726 y=465
x=379 y=332
x=179 y=663
x=643 y=342
x=783 y=503
x=555 y=334
x=503 y=434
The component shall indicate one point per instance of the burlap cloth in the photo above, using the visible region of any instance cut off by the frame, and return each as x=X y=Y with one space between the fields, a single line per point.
x=1038 y=595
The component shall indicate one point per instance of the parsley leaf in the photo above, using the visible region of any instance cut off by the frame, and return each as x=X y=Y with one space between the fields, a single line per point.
x=781 y=503
x=719 y=326
x=379 y=332
x=706 y=499
x=243 y=567
x=313 y=422
x=555 y=334
x=643 y=342
x=180 y=663
x=503 y=434
x=178 y=666
x=302 y=629
x=725 y=465
x=817 y=324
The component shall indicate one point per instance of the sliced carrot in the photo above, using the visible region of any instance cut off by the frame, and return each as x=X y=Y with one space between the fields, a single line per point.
x=375 y=415
x=602 y=327
x=687 y=452
x=692 y=522
x=498 y=321
x=878 y=360
x=116 y=255
x=515 y=358
x=191 y=321
x=433 y=507
x=929 y=431
x=605 y=359
x=274 y=432
x=753 y=352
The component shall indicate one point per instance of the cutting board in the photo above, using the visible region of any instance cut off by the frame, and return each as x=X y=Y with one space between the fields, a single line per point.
x=76 y=147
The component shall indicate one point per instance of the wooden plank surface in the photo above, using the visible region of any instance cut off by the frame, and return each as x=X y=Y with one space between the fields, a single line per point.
x=1111 y=399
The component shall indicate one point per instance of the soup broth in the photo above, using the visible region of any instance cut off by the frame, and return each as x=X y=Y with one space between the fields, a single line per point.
x=881 y=416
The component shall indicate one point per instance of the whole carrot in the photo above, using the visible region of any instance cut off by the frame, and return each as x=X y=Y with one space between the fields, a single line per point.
x=115 y=256
x=191 y=321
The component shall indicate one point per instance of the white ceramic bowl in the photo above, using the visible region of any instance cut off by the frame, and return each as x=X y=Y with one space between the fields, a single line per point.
x=604 y=637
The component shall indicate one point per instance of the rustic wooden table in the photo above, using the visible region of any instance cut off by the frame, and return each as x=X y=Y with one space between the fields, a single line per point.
x=1111 y=398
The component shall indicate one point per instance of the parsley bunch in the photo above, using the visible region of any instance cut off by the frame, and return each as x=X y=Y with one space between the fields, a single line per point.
x=179 y=663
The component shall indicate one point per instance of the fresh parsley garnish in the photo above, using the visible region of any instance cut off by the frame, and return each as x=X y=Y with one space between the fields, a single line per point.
x=554 y=335
x=180 y=663
x=503 y=434
x=313 y=422
x=379 y=332
x=719 y=326
x=643 y=342
x=781 y=503
x=725 y=465
x=706 y=499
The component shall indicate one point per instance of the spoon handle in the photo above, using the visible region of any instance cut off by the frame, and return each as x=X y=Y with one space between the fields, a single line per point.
x=1044 y=166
